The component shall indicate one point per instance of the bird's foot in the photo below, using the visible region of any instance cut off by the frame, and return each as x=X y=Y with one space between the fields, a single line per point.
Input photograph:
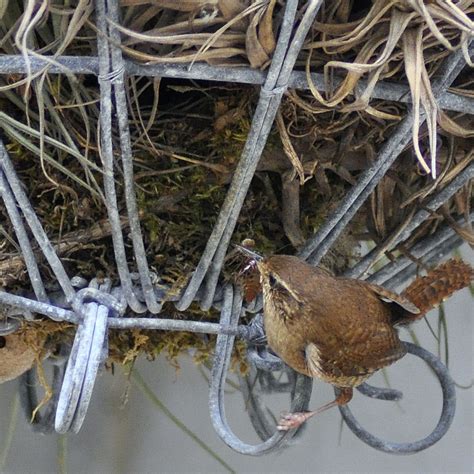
x=291 y=421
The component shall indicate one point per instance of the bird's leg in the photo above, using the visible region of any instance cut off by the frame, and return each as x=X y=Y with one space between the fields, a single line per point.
x=289 y=421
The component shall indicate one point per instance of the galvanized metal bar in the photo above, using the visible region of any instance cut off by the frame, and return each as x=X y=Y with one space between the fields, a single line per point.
x=383 y=90
x=34 y=223
x=436 y=201
x=25 y=245
x=275 y=92
x=106 y=76
x=117 y=64
x=258 y=133
x=317 y=246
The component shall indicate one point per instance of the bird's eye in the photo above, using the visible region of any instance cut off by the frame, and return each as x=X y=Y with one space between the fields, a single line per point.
x=276 y=285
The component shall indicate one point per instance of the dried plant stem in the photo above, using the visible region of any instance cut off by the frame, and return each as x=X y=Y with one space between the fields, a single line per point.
x=9 y=432
x=62 y=440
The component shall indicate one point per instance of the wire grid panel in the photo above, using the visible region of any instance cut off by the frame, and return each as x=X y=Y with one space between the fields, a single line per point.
x=97 y=307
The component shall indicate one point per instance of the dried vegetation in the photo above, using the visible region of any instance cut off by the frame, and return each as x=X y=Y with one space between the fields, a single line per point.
x=187 y=137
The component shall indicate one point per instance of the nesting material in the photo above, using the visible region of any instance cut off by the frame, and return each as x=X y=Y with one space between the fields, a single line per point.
x=187 y=137
x=16 y=356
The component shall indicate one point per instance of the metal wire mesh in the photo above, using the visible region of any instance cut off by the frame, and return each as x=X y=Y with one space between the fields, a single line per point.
x=98 y=307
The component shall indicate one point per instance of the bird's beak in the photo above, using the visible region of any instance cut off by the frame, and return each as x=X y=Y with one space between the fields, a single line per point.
x=249 y=253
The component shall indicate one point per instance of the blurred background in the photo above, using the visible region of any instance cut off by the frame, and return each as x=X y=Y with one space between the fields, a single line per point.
x=125 y=431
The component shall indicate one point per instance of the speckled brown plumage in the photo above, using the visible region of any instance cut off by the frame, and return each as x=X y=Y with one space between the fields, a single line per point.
x=341 y=330
x=439 y=284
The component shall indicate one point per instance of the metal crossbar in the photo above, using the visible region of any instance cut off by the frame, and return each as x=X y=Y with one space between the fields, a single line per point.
x=98 y=307
x=384 y=90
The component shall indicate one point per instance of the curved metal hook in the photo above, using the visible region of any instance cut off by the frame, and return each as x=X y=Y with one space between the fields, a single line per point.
x=254 y=332
x=231 y=309
x=262 y=359
x=446 y=418
x=380 y=393
x=261 y=418
x=88 y=350
x=271 y=384
x=258 y=414
x=99 y=296
x=9 y=326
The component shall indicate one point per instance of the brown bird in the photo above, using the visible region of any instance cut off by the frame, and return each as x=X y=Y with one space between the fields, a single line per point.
x=341 y=330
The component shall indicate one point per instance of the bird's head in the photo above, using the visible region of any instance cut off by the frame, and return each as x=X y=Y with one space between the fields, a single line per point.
x=279 y=274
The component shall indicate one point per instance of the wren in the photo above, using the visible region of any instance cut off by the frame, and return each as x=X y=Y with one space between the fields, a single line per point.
x=342 y=330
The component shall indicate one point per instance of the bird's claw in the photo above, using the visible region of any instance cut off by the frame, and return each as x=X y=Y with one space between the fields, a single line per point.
x=291 y=421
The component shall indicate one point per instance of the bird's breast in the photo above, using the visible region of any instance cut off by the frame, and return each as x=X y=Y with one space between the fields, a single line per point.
x=285 y=335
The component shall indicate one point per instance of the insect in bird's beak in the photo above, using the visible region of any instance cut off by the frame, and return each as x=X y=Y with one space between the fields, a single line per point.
x=249 y=275
x=249 y=253
x=252 y=263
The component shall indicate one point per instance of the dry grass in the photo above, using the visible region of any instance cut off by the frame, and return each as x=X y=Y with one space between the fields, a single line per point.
x=187 y=138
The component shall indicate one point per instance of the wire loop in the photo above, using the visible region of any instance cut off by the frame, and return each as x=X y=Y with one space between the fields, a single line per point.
x=88 y=351
x=445 y=420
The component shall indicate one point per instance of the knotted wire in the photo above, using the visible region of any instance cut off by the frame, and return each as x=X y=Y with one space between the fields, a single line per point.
x=111 y=68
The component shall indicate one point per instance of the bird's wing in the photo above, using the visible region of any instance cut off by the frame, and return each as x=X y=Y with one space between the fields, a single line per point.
x=391 y=297
x=367 y=348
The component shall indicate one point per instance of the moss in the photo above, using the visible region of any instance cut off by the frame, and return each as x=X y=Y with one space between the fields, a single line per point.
x=183 y=166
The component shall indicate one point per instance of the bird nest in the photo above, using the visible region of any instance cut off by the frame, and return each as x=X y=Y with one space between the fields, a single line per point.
x=188 y=126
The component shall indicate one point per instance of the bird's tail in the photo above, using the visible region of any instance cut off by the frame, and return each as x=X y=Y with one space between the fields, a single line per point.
x=429 y=291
